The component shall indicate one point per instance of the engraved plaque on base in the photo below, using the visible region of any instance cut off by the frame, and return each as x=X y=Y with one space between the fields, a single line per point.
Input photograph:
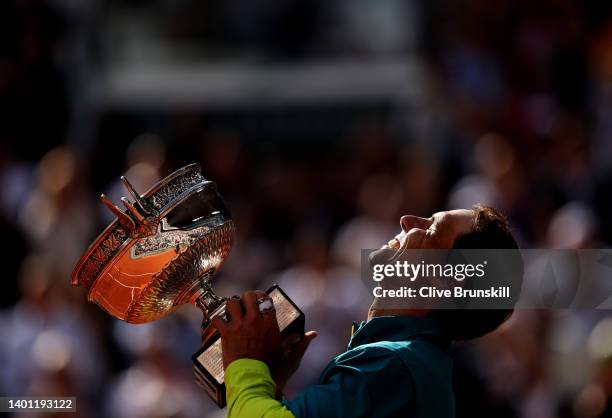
x=161 y=252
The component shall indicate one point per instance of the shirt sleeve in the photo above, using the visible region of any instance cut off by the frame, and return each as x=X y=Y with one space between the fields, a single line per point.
x=250 y=391
x=372 y=383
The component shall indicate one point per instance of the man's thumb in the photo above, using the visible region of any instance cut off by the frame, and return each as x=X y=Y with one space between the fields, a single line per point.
x=298 y=350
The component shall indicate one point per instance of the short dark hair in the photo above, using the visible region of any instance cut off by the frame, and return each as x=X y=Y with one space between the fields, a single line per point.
x=490 y=230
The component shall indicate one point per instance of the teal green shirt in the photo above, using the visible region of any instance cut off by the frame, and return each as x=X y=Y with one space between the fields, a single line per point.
x=394 y=367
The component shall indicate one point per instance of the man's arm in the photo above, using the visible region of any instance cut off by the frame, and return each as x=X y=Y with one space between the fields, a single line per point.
x=366 y=382
x=250 y=340
x=250 y=391
x=372 y=382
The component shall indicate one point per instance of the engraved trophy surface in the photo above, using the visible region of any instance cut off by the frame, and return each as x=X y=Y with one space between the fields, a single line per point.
x=161 y=252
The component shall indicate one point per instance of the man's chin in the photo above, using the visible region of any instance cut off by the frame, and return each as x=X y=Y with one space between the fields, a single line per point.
x=382 y=256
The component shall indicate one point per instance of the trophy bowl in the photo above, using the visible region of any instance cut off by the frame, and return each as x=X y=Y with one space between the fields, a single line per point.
x=161 y=252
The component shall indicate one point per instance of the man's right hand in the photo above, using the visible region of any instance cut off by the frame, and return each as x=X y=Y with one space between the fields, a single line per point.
x=249 y=333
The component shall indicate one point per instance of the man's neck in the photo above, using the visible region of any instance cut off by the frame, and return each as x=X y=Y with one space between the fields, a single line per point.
x=374 y=312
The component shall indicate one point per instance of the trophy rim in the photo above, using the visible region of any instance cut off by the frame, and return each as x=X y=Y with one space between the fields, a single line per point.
x=113 y=240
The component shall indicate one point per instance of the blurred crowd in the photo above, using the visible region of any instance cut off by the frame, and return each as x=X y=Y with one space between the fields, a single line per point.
x=515 y=111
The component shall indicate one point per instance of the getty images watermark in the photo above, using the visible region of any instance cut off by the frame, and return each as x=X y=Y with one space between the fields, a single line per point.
x=489 y=279
x=445 y=273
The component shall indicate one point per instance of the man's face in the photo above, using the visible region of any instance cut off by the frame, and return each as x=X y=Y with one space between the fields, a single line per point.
x=436 y=232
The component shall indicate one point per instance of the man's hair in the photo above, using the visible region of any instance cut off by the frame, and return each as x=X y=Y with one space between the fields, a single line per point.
x=490 y=230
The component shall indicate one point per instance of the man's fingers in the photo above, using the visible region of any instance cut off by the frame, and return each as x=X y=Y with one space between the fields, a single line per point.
x=288 y=342
x=290 y=339
x=311 y=335
x=249 y=301
x=259 y=294
x=270 y=317
x=308 y=337
x=233 y=309
x=269 y=314
x=219 y=324
x=298 y=350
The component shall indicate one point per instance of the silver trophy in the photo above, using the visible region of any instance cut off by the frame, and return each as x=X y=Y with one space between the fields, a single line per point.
x=162 y=251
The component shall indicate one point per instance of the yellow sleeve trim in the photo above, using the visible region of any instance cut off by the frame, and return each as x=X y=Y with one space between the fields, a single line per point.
x=250 y=391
